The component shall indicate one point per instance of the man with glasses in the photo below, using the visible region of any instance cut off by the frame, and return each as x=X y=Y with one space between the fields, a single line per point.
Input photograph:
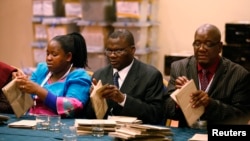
x=226 y=95
x=139 y=92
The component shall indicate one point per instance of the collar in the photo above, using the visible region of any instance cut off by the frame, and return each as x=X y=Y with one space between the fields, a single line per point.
x=212 y=68
x=123 y=73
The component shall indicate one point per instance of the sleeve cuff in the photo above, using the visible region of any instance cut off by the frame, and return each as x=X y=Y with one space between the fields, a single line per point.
x=123 y=102
x=50 y=101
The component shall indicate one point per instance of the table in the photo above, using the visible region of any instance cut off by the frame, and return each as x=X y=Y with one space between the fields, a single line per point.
x=18 y=134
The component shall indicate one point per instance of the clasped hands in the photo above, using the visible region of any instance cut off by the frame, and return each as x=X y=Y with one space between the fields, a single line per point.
x=109 y=92
x=198 y=98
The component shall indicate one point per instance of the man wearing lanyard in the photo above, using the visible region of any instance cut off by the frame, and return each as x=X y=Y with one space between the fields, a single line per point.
x=223 y=85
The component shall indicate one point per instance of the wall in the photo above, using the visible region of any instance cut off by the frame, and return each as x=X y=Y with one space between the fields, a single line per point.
x=178 y=21
x=16 y=32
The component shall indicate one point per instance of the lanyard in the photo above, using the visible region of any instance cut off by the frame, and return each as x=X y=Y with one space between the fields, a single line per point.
x=49 y=75
x=208 y=86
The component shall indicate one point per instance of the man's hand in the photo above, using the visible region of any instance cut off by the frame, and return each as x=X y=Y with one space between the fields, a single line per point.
x=94 y=82
x=199 y=98
x=113 y=93
x=180 y=81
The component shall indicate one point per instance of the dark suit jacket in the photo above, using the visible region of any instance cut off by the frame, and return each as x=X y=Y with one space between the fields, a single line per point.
x=144 y=88
x=229 y=91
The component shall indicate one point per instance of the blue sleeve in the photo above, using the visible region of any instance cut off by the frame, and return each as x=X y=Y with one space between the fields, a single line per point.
x=50 y=101
x=78 y=84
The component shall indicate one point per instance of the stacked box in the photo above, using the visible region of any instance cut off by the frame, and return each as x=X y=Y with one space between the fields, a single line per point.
x=59 y=26
x=153 y=34
x=143 y=54
x=37 y=7
x=153 y=10
x=139 y=31
x=48 y=8
x=39 y=29
x=98 y=10
x=132 y=10
x=95 y=34
x=73 y=8
x=39 y=51
x=96 y=61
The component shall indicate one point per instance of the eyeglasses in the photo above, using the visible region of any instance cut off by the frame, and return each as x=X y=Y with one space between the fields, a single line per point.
x=116 y=52
x=207 y=44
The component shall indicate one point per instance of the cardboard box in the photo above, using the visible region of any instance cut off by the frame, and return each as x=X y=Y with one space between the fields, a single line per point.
x=39 y=52
x=132 y=10
x=96 y=61
x=98 y=10
x=153 y=10
x=73 y=8
x=59 y=26
x=95 y=34
x=139 y=31
x=48 y=8
x=39 y=29
x=153 y=35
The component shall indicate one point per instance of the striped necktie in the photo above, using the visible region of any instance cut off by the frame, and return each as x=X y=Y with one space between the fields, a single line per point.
x=204 y=80
x=115 y=79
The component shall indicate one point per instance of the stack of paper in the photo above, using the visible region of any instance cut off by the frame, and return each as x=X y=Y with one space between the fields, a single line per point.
x=23 y=124
x=84 y=126
x=125 y=120
x=142 y=132
x=182 y=98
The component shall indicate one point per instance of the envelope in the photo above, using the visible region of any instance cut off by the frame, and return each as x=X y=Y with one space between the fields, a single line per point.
x=98 y=102
x=19 y=101
x=182 y=97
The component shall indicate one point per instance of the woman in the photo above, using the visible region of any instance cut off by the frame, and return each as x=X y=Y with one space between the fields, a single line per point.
x=61 y=85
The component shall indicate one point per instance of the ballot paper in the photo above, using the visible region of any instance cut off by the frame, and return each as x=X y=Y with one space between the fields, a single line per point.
x=23 y=124
x=182 y=98
x=124 y=119
x=19 y=101
x=199 y=137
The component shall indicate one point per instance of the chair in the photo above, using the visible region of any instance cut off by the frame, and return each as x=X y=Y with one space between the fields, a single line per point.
x=90 y=73
x=169 y=122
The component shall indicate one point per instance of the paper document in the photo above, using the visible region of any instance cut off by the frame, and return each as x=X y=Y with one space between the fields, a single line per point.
x=182 y=98
x=124 y=119
x=23 y=124
x=19 y=101
x=199 y=137
x=98 y=102
x=105 y=122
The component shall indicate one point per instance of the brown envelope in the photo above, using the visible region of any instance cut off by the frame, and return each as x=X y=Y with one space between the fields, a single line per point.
x=19 y=101
x=99 y=104
x=182 y=98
